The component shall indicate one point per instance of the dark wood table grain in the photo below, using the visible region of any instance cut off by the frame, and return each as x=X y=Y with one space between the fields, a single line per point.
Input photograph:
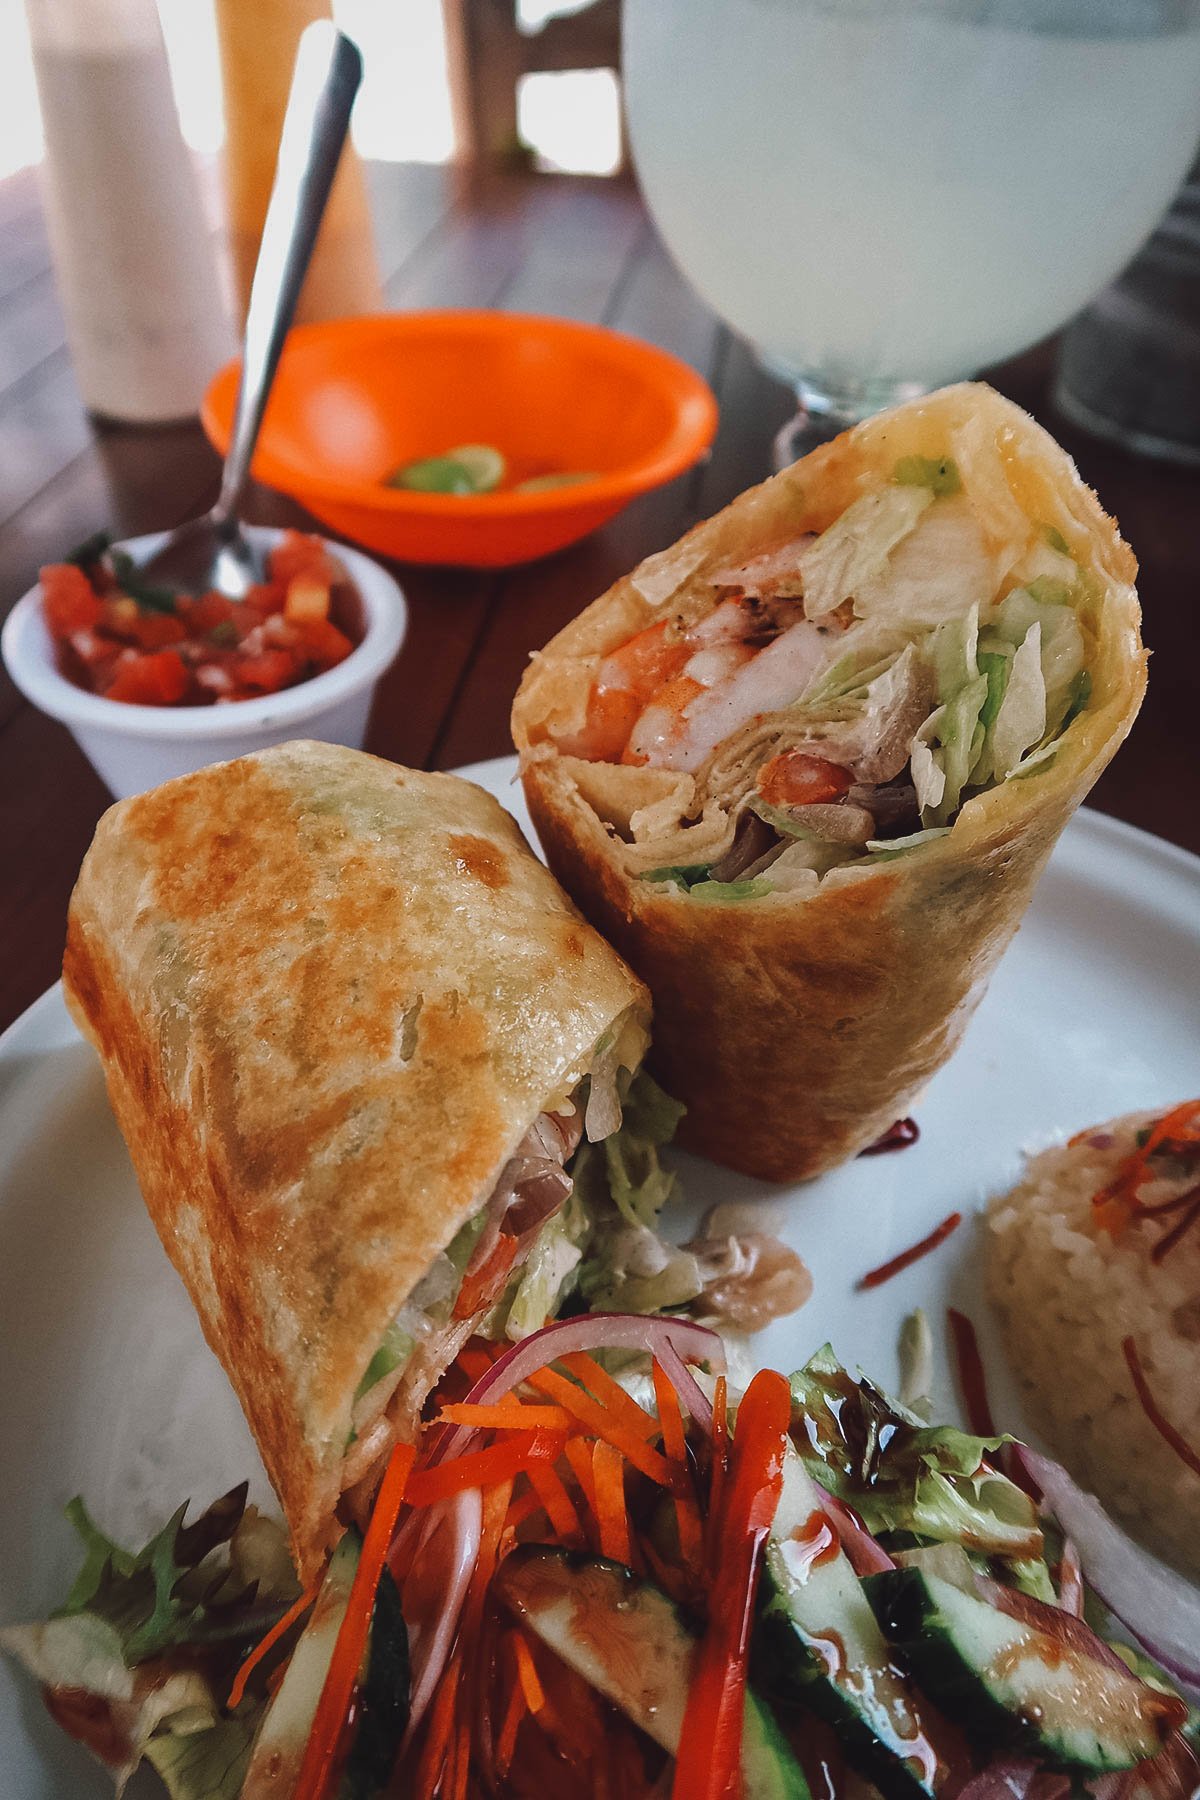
x=573 y=246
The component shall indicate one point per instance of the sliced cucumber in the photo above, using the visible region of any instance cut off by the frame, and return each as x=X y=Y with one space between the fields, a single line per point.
x=823 y=1648
x=383 y=1699
x=626 y=1638
x=1015 y=1683
x=383 y=1692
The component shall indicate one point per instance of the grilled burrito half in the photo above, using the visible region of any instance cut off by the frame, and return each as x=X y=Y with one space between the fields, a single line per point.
x=353 y=1032
x=804 y=768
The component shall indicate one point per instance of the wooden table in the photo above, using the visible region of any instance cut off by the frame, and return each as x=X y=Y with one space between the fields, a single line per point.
x=577 y=247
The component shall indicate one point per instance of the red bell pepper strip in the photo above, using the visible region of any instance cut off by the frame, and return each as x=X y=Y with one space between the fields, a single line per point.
x=710 y=1750
x=483 y=1468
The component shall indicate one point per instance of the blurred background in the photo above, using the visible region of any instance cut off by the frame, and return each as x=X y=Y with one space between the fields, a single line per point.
x=569 y=118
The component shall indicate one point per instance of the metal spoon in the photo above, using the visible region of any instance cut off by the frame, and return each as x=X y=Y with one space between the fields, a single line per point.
x=212 y=552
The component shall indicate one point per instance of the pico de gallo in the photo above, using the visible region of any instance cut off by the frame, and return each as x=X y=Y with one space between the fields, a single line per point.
x=608 y=1570
x=126 y=640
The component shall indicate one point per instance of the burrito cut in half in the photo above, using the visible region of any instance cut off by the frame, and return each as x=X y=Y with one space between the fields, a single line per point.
x=354 y=1034
x=804 y=768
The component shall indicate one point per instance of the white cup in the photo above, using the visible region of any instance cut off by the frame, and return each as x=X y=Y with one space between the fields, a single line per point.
x=135 y=747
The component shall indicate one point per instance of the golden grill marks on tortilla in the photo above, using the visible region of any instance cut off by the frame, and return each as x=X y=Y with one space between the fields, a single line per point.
x=804 y=767
x=338 y=1004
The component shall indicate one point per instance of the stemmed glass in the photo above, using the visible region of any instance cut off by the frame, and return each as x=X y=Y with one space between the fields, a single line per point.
x=884 y=195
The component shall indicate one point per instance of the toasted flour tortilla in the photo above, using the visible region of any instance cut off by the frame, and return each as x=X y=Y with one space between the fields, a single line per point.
x=797 y=1025
x=330 y=996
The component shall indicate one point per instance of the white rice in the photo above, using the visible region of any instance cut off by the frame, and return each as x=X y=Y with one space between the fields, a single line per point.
x=1066 y=1295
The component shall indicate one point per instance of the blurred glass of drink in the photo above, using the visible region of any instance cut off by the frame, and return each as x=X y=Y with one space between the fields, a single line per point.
x=884 y=195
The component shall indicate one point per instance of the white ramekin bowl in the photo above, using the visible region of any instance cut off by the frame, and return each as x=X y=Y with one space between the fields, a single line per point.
x=133 y=748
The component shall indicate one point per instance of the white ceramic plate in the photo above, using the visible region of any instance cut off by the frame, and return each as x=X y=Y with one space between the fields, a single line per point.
x=108 y=1390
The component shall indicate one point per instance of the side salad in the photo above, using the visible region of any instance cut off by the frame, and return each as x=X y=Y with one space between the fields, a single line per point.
x=606 y=1570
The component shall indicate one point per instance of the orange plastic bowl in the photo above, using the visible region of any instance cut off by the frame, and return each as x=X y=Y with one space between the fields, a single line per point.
x=357 y=398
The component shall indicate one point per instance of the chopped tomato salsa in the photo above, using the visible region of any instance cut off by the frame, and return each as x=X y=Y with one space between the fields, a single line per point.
x=121 y=639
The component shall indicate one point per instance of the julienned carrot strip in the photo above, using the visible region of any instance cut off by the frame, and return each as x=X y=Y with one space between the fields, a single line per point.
x=508 y=1415
x=687 y=1516
x=268 y=1643
x=580 y=1459
x=605 y=1424
x=474 y=1362
x=460 y=1764
x=610 y=1393
x=437 y=1740
x=518 y=1706
x=320 y=1753
x=547 y=1484
x=608 y=1473
x=1116 y=1204
x=481 y=1468
x=526 y=1507
x=527 y=1675
x=669 y=1415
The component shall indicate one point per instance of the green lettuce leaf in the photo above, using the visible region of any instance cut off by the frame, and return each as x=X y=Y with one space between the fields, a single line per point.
x=960 y=736
x=858 y=544
x=684 y=875
x=648 y=1112
x=1020 y=720
x=716 y=893
x=952 y=654
x=883 y=849
x=203 y=1763
x=626 y=1265
x=550 y=1269
x=1046 y=602
x=927 y=1483
x=639 y=1185
x=149 y=1639
x=630 y=1268
x=167 y=1594
x=128 y=1711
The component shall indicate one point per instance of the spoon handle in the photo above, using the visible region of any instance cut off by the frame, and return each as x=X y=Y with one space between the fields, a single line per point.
x=326 y=79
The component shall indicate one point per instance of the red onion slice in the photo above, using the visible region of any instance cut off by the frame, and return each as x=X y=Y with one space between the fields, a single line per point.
x=1014 y=1778
x=867 y=1557
x=1160 y=1608
x=691 y=1395
x=462 y=1516
x=1070 y=1580
x=592 y=1331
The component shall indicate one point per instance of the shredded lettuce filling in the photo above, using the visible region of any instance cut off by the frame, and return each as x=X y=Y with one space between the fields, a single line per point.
x=602 y=1241
x=994 y=683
